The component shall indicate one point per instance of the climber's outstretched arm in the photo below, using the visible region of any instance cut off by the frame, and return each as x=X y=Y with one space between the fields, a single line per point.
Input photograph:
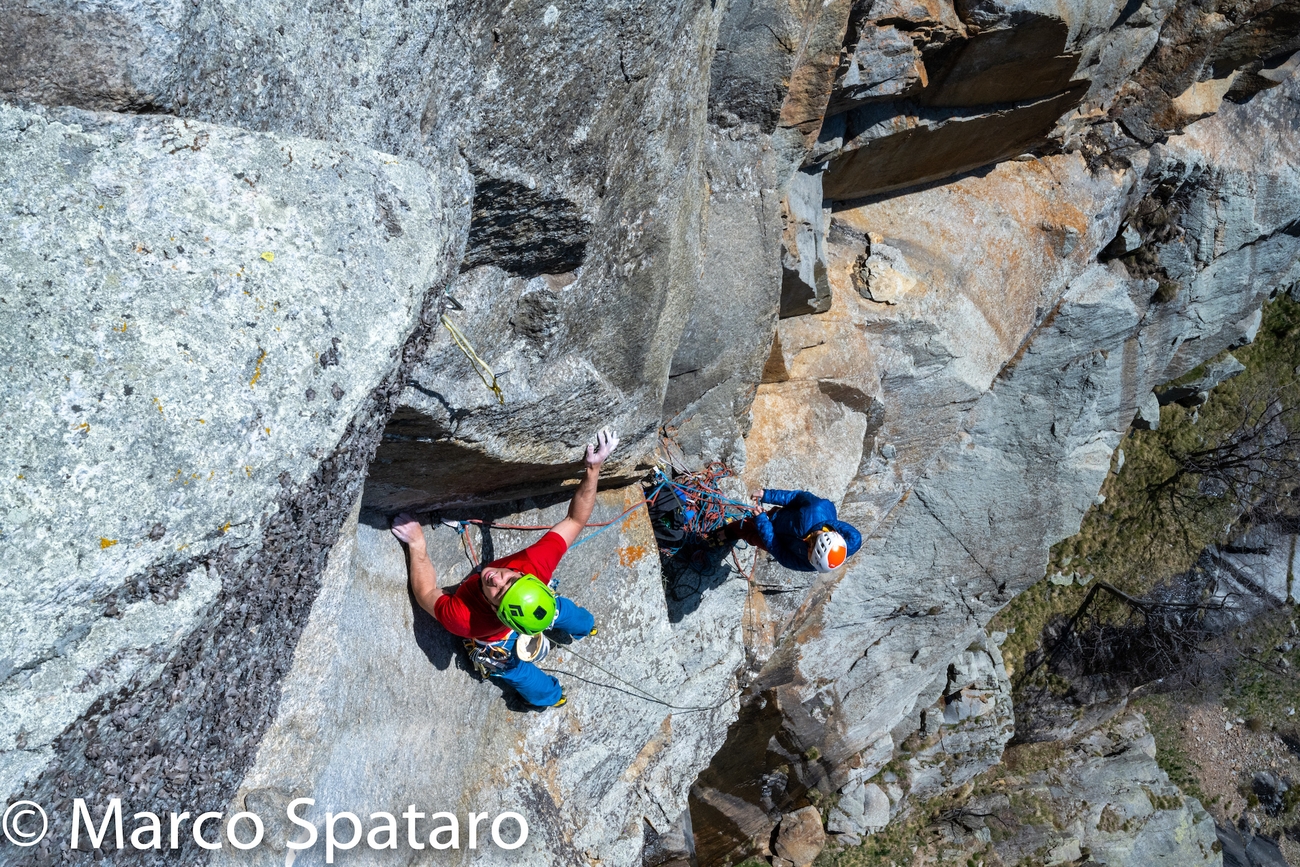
x=424 y=580
x=584 y=499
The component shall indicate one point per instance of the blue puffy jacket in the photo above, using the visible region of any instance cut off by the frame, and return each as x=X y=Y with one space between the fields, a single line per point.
x=783 y=530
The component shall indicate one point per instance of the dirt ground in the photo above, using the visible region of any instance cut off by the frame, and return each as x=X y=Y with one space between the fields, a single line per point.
x=1225 y=754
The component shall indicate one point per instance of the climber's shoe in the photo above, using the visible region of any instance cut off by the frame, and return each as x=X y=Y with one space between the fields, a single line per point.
x=564 y=639
x=563 y=700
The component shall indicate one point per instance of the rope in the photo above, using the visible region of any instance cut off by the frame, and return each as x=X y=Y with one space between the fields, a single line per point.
x=480 y=366
x=748 y=576
x=466 y=543
x=469 y=550
x=749 y=618
x=704 y=507
x=459 y=526
x=714 y=494
x=638 y=692
x=607 y=524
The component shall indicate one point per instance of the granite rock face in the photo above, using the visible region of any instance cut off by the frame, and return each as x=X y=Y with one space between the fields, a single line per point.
x=920 y=307
x=214 y=337
x=376 y=683
x=677 y=214
x=1102 y=793
x=950 y=545
x=972 y=717
x=1262 y=560
x=697 y=220
x=958 y=735
x=799 y=838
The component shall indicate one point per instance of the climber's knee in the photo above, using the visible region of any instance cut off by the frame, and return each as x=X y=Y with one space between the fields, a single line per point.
x=572 y=618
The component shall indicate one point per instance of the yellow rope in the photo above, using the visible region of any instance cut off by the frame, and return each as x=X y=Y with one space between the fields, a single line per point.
x=480 y=366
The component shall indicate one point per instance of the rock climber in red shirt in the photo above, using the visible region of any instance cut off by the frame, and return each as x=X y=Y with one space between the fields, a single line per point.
x=511 y=596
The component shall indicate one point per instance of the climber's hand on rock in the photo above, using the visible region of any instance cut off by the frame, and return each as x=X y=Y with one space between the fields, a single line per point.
x=407 y=528
x=606 y=442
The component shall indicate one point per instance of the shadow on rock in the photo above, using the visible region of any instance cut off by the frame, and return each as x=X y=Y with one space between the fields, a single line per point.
x=691 y=573
x=1243 y=849
x=437 y=644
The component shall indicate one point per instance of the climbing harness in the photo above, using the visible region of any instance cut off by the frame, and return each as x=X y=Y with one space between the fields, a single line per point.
x=480 y=366
x=489 y=657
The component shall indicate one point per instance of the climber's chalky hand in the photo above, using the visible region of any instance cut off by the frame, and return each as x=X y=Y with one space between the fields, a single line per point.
x=606 y=442
x=407 y=528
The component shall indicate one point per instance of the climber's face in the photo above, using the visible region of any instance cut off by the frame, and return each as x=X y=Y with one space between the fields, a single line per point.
x=495 y=581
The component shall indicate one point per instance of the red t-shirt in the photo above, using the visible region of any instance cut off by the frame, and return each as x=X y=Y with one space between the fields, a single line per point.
x=469 y=614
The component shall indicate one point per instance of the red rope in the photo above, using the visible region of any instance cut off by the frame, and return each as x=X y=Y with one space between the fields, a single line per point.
x=469 y=550
x=495 y=526
x=468 y=544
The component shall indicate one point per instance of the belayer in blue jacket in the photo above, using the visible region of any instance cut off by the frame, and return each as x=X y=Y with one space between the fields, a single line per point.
x=803 y=533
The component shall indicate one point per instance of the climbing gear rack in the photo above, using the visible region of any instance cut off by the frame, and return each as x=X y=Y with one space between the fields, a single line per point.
x=488 y=657
x=704 y=508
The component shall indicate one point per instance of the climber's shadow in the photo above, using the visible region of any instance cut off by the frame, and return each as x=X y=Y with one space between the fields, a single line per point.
x=693 y=571
x=514 y=701
x=438 y=645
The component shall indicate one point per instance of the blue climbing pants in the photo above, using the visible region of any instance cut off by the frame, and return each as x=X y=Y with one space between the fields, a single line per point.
x=536 y=686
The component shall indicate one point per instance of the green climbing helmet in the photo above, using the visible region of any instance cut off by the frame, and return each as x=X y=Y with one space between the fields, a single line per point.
x=528 y=607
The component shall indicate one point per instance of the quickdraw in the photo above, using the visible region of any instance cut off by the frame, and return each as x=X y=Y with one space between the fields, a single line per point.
x=480 y=366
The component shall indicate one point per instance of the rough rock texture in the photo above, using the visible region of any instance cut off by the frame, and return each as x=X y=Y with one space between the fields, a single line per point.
x=804 y=287
x=208 y=347
x=955 y=737
x=775 y=63
x=653 y=185
x=1265 y=559
x=917 y=305
x=799 y=837
x=376 y=683
x=972 y=718
x=1248 y=850
x=722 y=350
x=1102 y=794
x=1020 y=469
x=862 y=808
x=1196 y=392
x=680 y=214
x=933 y=90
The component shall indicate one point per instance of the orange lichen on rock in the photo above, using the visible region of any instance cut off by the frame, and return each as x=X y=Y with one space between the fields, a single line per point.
x=630 y=555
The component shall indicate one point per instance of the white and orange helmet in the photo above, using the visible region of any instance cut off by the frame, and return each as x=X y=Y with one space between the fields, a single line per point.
x=827 y=550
